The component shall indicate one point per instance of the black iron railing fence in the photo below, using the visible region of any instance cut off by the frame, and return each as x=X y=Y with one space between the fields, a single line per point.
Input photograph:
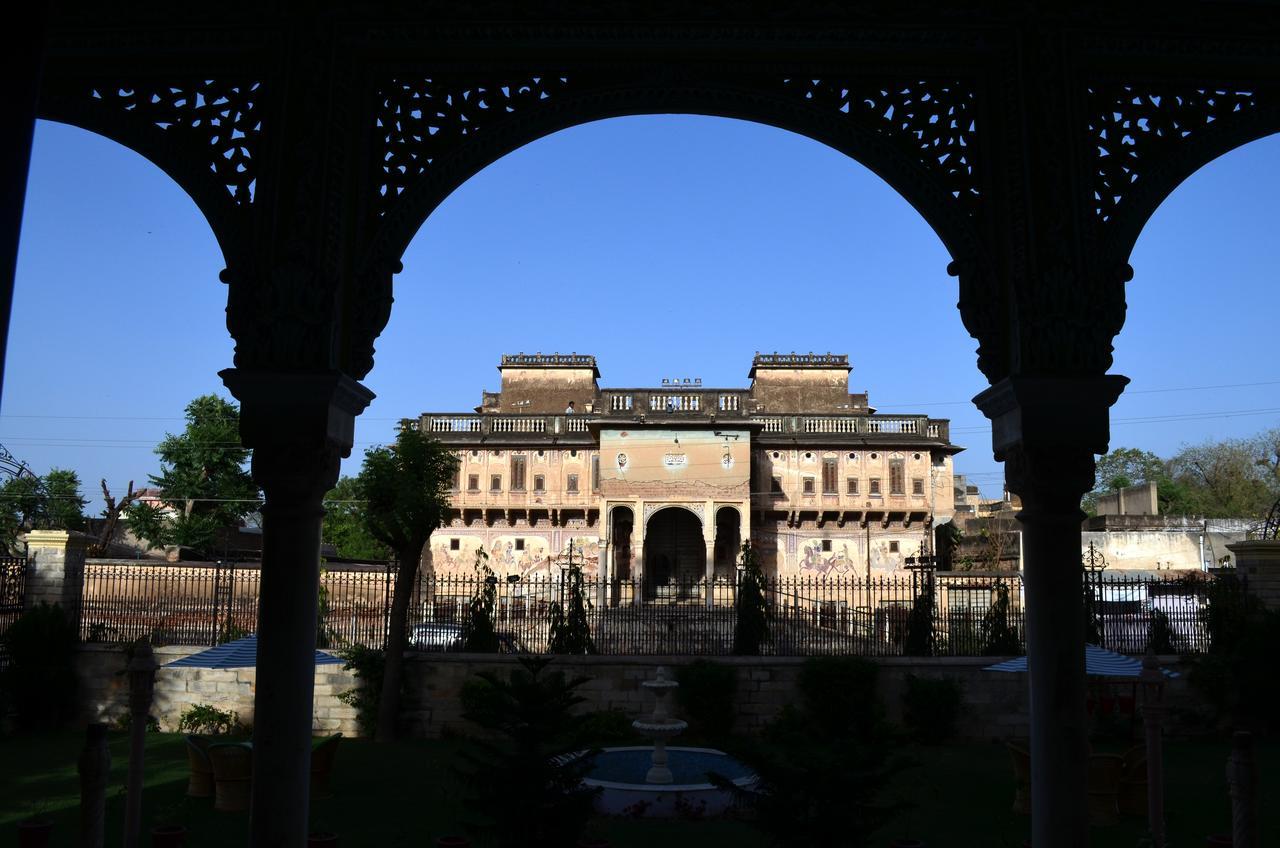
x=13 y=581
x=943 y=614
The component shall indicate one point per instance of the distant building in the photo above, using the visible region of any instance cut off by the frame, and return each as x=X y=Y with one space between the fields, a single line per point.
x=665 y=482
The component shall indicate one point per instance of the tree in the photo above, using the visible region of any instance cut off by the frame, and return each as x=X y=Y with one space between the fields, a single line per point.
x=51 y=502
x=1131 y=467
x=204 y=484
x=751 y=613
x=1234 y=478
x=344 y=523
x=478 y=634
x=405 y=488
x=111 y=515
x=570 y=632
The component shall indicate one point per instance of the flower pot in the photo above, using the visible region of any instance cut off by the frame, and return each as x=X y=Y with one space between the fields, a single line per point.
x=322 y=839
x=168 y=836
x=34 y=834
x=453 y=842
x=1218 y=840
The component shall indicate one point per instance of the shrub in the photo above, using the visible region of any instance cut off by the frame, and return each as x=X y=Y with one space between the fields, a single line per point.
x=208 y=720
x=931 y=708
x=998 y=636
x=751 y=613
x=478 y=634
x=824 y=762
x=41 y=677
x=570 y=631
x=920 y=638
x=1159 y=634
x=521 y=792
x=368 y=664
x=603 y=727
x=706 y=697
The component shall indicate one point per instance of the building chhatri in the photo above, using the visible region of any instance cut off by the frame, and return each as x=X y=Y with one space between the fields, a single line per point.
x=661 y=485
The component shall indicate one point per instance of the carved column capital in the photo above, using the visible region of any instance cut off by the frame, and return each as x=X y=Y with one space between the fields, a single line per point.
x=1047 y=430
x=299 y=425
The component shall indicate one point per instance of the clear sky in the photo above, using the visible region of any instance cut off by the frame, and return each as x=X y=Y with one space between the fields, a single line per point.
x=666 y=246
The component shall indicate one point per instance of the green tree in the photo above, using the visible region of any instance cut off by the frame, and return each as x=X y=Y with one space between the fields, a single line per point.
x=570 y=632
x=1233 y=478
x=478 y=634
x=751 y=613
x=1131 y=467
x=344 y=523
x=999 y=639
x=405 y=487
x=51 y=502
x=204 y=483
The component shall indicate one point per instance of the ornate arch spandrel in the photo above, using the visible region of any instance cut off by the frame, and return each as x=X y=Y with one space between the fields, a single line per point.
x=434 y=132
x=203 y=132
x=1147 y=138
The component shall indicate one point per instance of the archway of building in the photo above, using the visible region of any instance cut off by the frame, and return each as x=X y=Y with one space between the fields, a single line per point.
x=728 y=541
x=675 y=555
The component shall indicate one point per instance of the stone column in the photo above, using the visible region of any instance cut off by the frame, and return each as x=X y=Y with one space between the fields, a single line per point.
x=1046 y=430
x=1258 y=561
x=55 y=569
x=299 y=425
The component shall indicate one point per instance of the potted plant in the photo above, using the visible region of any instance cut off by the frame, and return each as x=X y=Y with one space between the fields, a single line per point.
x=169 y=830
x=35 y=830
x=453 y=842
x=322 y=839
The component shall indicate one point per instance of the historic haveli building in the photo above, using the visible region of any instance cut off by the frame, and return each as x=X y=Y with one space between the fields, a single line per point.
x=662 y=484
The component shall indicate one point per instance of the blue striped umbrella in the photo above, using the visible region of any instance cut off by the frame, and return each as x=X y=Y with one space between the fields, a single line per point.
x=1098 y=662
x=242 y=653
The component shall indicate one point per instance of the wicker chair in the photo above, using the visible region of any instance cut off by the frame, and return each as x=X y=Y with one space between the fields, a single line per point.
x=1104 y=788
x=322 y=757
x=200 y=784
x=232 y=772
x=1021 y=760
x=1133 y=782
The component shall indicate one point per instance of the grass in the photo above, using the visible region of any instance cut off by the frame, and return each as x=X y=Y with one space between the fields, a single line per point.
x=404 y=795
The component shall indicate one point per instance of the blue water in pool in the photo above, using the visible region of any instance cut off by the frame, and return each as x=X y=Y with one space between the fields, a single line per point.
x=686 y=766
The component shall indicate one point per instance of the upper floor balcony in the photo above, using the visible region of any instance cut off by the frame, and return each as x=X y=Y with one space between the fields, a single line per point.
x=466 y=428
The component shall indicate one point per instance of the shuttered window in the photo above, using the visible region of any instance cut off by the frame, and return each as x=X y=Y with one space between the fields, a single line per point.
x=830 y=483
x=517 y=473
x=572 y=486
x=897 y=478
x=917 y=486
x=595 y=473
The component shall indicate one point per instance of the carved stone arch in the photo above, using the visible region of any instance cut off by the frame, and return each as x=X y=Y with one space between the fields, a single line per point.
x=652 y=509
x=1150 y=137
x=203 y=133
x=919 y=136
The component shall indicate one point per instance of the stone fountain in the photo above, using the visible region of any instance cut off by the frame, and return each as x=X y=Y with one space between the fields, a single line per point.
x=640 y=781
x=660 y=726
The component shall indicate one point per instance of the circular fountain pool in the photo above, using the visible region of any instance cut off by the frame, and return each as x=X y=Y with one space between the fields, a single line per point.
x=620 y=773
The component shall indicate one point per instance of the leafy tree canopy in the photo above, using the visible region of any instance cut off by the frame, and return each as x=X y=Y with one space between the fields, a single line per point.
x=344 y=523
x=1231 y=478
x=204 y=480
x=50 y=502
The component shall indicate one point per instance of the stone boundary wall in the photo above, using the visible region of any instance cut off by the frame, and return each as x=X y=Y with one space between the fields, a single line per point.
x=104 y=689
x=995 y=704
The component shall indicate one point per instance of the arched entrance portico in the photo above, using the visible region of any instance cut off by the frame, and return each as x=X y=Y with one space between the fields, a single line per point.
x=675 y=555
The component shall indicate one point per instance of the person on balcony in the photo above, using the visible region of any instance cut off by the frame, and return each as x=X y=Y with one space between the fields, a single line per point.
x=569 y=410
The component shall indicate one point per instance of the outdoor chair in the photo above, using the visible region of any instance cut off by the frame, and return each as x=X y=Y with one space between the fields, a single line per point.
x=1133 y=782
x=232 y=771
x=200 y=784
x=1021 y=760
x=322 y=757
x=1104 y=788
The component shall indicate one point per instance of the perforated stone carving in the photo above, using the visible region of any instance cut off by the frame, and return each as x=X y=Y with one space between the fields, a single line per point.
x=421 y=119
x=216 y=115
x=1133 y=128
x=936 y=118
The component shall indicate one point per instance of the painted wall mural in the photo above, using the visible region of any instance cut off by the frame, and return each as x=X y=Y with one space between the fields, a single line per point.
x=512 y=552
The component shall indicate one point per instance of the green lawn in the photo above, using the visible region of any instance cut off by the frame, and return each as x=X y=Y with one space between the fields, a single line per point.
x=402 y=795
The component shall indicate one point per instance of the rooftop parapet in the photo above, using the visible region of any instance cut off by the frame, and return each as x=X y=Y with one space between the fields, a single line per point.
x=799 y=360
x=549 y=360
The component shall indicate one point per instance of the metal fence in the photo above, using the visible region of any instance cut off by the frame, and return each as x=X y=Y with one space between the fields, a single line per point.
x=13 y=583
x=943 y=614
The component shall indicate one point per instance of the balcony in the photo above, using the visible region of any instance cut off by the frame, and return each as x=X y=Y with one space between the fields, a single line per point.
x=471 y=427
x=852 y=425
x=675 y=400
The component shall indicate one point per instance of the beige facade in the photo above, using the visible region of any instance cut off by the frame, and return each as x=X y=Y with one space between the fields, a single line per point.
x=661 y=485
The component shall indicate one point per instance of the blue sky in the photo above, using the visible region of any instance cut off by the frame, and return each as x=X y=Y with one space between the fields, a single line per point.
x=666 y=246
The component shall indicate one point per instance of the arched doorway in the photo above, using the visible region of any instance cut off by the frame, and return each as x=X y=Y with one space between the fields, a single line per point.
x=675 y=555
x=621 y=523
x=728 y=541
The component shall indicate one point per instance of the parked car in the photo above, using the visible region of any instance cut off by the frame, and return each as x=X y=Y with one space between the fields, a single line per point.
x=437 y=636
